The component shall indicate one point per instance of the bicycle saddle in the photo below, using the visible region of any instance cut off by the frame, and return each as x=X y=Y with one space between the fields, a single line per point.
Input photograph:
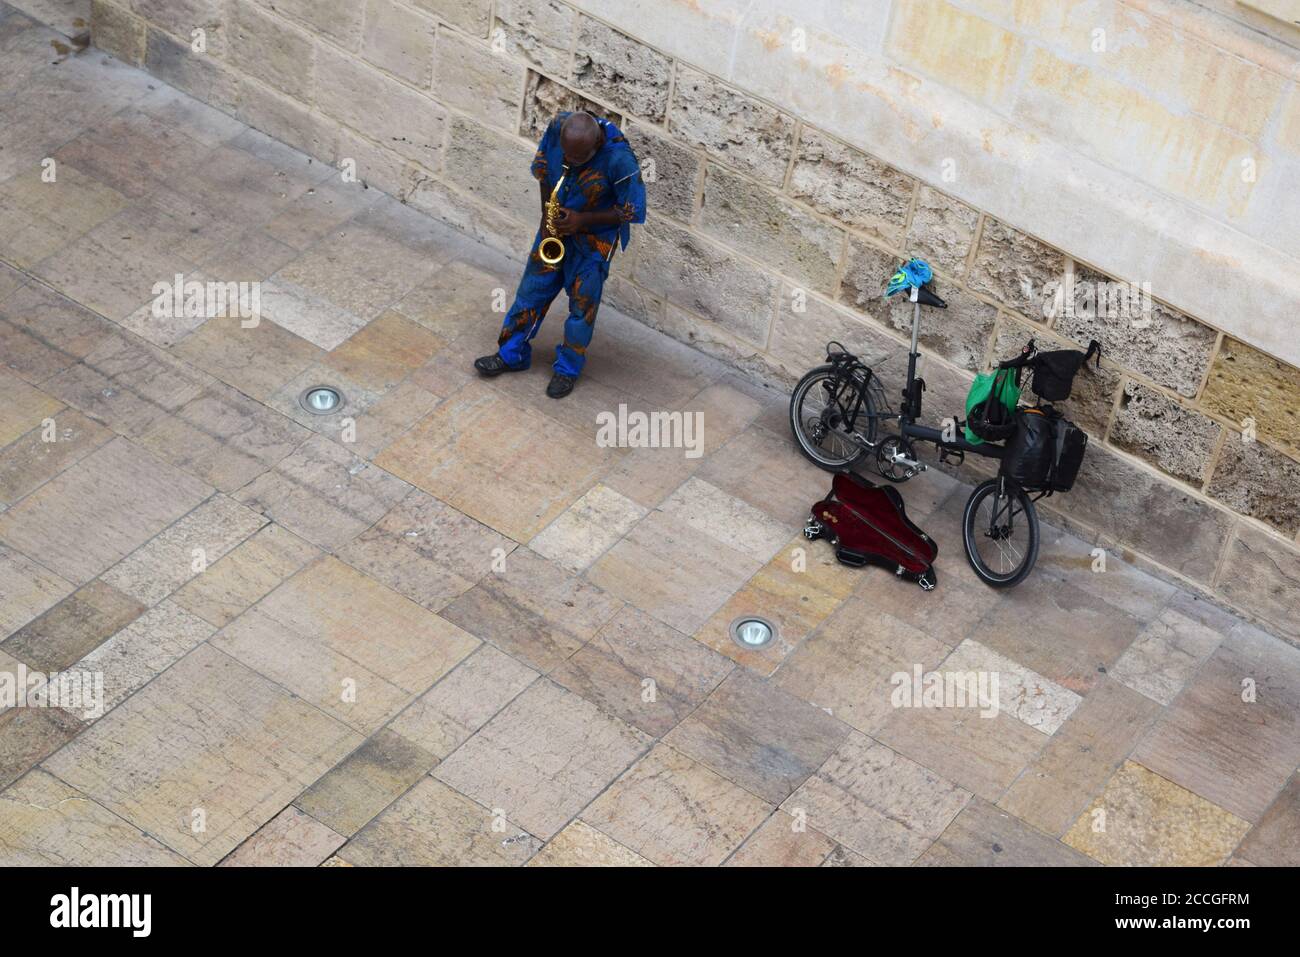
x=926 y=297
x=914 y=278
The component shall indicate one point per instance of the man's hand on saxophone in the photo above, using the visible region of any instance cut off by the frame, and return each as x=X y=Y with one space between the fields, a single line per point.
x=570 y=221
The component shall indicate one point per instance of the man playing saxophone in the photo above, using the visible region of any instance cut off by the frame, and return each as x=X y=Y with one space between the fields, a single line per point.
x=585 y=165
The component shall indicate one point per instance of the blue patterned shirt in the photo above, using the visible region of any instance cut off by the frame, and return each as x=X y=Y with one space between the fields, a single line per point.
x=609 y=180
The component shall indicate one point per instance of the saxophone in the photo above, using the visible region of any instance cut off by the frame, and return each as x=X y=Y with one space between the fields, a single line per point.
x=551 y=248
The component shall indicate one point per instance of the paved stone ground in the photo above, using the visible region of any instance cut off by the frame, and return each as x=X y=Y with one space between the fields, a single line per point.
x=430 y=638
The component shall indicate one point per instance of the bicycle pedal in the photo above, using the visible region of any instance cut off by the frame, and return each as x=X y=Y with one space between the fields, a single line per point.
x=911 y=466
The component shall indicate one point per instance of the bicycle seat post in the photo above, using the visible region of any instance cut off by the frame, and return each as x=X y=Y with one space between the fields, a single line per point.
x=916 y=320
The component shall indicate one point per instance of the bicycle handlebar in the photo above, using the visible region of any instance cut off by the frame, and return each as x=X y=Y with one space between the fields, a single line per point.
x=1020 y=361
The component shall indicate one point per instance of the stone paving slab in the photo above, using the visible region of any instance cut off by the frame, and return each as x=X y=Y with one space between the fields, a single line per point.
x=1275 y=839
x=983 y=836
x=338 y=639
x=712 y=511
x=676 y=812
x=1120 y=585
x=876 y=802
x=785 y=487
x=173 y=557
x=783 y=841
x=469 y=448
x=66 y=106
x=132 y=152
x=365 y=782
x=29 y=735
x=27 y=407
x=843 y=857
x=114 y=279
x=1143 y=819
x=445 y=716
x=41 y=224
x=847 y=667
x=1234 y=751
x=587 y=528
x=644 y=672
x=11 y=279
x=648 y=475
x=257 y=360
x=290 y=839
x=797 y=590
x=1022 y=694
x=452 y=300
x=534 y=610
x=672 y=570
x=100 y=510
x=581 y=845
x=389 y=417
x=197 y=120
x=245 y=574
x=44 y=333
x=47 y=822
x=1060 y=632
x=30 y=461
x=307 y=316
x=143 y=649
x=384 y=352
x=28 y=588
x=980 y=753
x=324 y=493
x=245 y=749
x=94 y=394
x=1165 y=655
x=433 y=825
x=759 y=736
x=1080 y=757
x=288 y=402
x=543 y=758
x=74 y=627
x=427 y=550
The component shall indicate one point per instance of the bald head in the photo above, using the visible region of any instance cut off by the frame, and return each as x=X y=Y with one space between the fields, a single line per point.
x=580 y=137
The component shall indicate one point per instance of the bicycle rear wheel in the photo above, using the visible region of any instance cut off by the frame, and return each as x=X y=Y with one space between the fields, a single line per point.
x=1000 y=532
x=819 y=411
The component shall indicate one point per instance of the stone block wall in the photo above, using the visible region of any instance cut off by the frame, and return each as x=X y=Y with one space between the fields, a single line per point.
x=775 y=219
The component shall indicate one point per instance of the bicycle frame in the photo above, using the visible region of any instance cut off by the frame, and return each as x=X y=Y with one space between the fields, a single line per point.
x=911 y=411
x=847 y=366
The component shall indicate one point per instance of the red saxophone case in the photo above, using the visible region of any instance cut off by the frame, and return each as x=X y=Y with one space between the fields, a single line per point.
x=868 y=525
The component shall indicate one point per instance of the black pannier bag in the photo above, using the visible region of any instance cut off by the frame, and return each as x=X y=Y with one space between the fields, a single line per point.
x=1028 y=458
x=1071 y=443
x=1054 y=371
x=1046 y=451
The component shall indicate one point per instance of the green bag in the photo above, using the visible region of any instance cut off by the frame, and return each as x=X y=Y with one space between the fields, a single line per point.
x=991 y=407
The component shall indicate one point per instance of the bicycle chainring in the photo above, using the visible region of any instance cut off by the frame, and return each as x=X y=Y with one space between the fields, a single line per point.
x=885 y=464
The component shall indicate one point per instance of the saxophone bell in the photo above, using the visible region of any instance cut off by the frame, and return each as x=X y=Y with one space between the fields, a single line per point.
x=551 y=250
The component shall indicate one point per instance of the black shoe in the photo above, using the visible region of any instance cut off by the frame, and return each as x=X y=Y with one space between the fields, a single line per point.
x=494 y=365
x=560 y=386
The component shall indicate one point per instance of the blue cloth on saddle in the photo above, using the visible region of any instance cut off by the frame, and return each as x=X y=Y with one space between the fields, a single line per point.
x=914 y=272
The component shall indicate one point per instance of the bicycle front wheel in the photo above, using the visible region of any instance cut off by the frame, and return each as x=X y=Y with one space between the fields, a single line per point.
x=1000 y=531
x=819 y=417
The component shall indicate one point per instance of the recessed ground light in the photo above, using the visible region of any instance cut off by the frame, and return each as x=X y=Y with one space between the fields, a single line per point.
x=751 y=631
x=321 y=399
